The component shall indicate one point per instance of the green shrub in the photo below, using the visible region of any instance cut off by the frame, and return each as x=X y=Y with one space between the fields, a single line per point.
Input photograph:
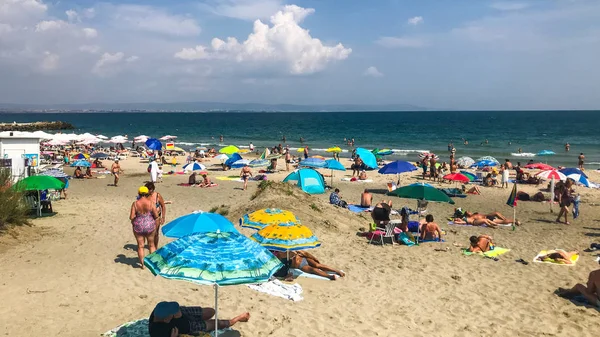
x=263 y=185
x=13 y=210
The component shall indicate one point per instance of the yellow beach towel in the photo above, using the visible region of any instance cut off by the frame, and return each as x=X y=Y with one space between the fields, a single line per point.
x=574 y=258
x=497 y=251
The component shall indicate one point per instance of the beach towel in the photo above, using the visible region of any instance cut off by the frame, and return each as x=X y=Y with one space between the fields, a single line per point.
x=358 y=208
x=358 y=180
x=139 y=328
x=455 y=224
x=574 y=258
x=292 y=292
x=497 y=251
x=188 y=185
x=453 y=192
x=231 y=178
x=300 y=273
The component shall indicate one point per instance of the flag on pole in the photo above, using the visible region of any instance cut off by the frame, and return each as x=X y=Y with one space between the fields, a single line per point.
x=512 y=198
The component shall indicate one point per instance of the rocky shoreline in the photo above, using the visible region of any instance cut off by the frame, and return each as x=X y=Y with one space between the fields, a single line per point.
x=35 y=126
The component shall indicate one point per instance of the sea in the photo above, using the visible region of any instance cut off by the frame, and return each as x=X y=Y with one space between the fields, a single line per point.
x=489 y=133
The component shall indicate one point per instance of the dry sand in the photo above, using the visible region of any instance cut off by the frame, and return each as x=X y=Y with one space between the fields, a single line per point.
x=73 y=273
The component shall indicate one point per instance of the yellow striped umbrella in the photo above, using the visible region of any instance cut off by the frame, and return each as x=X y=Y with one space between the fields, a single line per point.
x=268 y=216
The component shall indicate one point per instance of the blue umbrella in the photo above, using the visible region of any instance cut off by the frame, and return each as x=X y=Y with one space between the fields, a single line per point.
x=397 y=167
x=193 y=167
x=572 y=170
x=483 y=163
x=154 y=144
x=197 y=222
x=259 y=163
x=55 y=173
x=81 y=163
x=579 y=178
x=99 y=155
x=367 y=157
x=216 y=259
x=545 y=153
x=333 y=164
x=313 y=162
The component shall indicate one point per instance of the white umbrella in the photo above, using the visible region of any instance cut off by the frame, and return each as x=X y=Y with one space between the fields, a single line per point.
x=552 y=174
x=194 y=167
x=86 y=135
x=88 y=141
x=55 y=142
x=101 y=137
x=168 y=137
x=490 y=158
x=42 y=134
x=222 y=156
x=579 y=178
x=465 y=161
x=140 y=137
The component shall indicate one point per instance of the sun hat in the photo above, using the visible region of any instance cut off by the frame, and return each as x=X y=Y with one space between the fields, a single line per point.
x=166 y=309
x=143 y=190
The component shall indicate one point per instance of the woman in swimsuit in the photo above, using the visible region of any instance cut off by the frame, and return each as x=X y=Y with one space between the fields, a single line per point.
x=309 y=264
x=143 y=217
x=245 y=174
x=161 y=208
x=559 y=256
x=470 y=220
x=564 y=199
x=482 y=244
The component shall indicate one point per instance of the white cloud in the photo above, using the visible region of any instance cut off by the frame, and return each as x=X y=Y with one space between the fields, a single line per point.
x=132 y=58
x=49 y=62
x=90 y=32
x=509 y=6
x=401 y=42
x=21 y=11
x=5 y=28
x=285 y=41
x=154 y=20
x=92 y=49
x=72 y=15
x=415 y=20
x=102 y=66
x=244 y=9
x=372 y=72
x=49 y=25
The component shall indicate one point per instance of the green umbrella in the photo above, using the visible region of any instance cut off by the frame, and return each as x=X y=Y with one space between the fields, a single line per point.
x=421 y=192
x=39 y=183
x=231 y=149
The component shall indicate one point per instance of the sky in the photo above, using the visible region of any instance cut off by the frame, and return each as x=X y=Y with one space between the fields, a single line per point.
x=459 y=54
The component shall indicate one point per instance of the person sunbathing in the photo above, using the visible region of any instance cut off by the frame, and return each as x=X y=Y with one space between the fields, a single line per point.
x=430 y=230
x=472 y=190
x=469 y=220
x=307 y=263
x=206 y=181
x=481 y=244
x=362 y=175
x=591 y=290
x=88 y=173
x=559 y=256
x=495 y=217
x=365 y=198
x=78 y=173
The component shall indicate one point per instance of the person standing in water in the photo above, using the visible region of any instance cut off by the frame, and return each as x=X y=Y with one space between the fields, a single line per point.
x=221 y=139
x=580 y=163
x=567 y=147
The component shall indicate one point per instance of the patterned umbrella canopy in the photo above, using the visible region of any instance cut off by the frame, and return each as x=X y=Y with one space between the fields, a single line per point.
x=285 y=237
x=222 y=258
x=259 y=163
x=490 y=158
x=579 y=178
x=549 y=174
x=268 y=216
x=193 y=167
x=197 y=222
x=465 y=161
x=55 y=173
x=469 y=175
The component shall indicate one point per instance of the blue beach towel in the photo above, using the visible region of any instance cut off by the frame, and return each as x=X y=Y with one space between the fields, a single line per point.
x=357 y=208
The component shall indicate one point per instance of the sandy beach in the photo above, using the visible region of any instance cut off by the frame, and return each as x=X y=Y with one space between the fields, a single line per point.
x=74 y=274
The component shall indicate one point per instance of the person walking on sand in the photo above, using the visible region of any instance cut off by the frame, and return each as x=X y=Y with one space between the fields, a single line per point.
x=169 y=319
x=161 y=208
x=505 y=174
x=564 y=199
x=580 y=163
x=245 y=174
x=288 y=159
x=115 y=169
x=143 y=215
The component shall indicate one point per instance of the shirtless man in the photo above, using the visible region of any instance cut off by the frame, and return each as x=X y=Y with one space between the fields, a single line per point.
x=288 y=159
x=580 y=163
x=482 y=244
x=567 y=146
x=357 y=165
x=430 y=230
x=245 y=173
x=309 y=264
x=432 y=168
x=366 y=198
x=495 y=217
x=591 y=291
x=115 y=169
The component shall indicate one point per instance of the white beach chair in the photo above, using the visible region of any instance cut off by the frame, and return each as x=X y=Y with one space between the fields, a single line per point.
x=380 y=235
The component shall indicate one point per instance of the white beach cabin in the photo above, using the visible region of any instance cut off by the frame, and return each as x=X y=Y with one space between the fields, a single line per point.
x=18 y=151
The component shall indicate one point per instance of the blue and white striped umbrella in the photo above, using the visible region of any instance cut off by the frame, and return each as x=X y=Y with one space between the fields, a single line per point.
x=193 y=167
x=313 y=162
x=580 y=179
x=81 y=163
x=55 y=173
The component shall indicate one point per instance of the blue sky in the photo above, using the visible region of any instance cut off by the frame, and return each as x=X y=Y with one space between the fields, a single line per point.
x=477 y=54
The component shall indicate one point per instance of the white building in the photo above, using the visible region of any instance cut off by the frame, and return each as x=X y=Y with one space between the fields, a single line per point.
x=18 y=150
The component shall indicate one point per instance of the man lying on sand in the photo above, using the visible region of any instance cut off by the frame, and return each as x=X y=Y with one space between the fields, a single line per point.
x=168 y=319
x=559 y=256
x=591 y=291
x=491 y=219
x=482 y=244
x=309 y=264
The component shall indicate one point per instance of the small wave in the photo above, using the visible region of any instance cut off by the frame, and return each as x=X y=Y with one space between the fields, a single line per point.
x=398 y=151
x=593 y=163
x=185 y=143
x=526 y=154
x=321 y=150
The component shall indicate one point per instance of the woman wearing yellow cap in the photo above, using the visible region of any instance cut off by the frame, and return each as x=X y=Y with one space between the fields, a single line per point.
x=143 y=217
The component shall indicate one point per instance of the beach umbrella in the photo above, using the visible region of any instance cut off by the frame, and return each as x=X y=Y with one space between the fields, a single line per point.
x=197 y=222
x=545 y=153
x=240 y=163
x=221 y=157
x=457 y=177
x=267 y=216
x=39 y=183
x=465 y=161
x=216 y=258
x=101 y=137
x=469 y=175
x=334 y=165
x=335 y=149
x=81 y=163
x=231 y=149
x=572 y=170
x=367 y=157
x=168 y=137
x=579 y=178
x=385 y=152
x=551 y=174
x=539 y=166
x=421 y=191
x=272 y=156
x=300 y=150
x=397 y=167
x=193 y=167
x=313 y=162
x=141 y=138
x=99 y=155
x=285 y=237
x=259 y=163
x=80 y=156
x=489 y=158
x=153 y=144
x=56 y=173
x=318 y=157
x=485 y=162
x=58 y=142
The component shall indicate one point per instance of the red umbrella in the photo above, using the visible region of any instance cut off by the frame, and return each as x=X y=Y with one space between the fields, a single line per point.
x=539 y=166
x=457 y=177
x=550 y=174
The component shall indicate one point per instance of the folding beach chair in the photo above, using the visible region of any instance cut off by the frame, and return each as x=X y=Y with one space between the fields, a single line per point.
x=381 y=234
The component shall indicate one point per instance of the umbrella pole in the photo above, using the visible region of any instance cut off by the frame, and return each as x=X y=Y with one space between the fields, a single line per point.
x=418 y=224
x=514 y=217
x=331 y=178
x=39 y=204
x=216 y=310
